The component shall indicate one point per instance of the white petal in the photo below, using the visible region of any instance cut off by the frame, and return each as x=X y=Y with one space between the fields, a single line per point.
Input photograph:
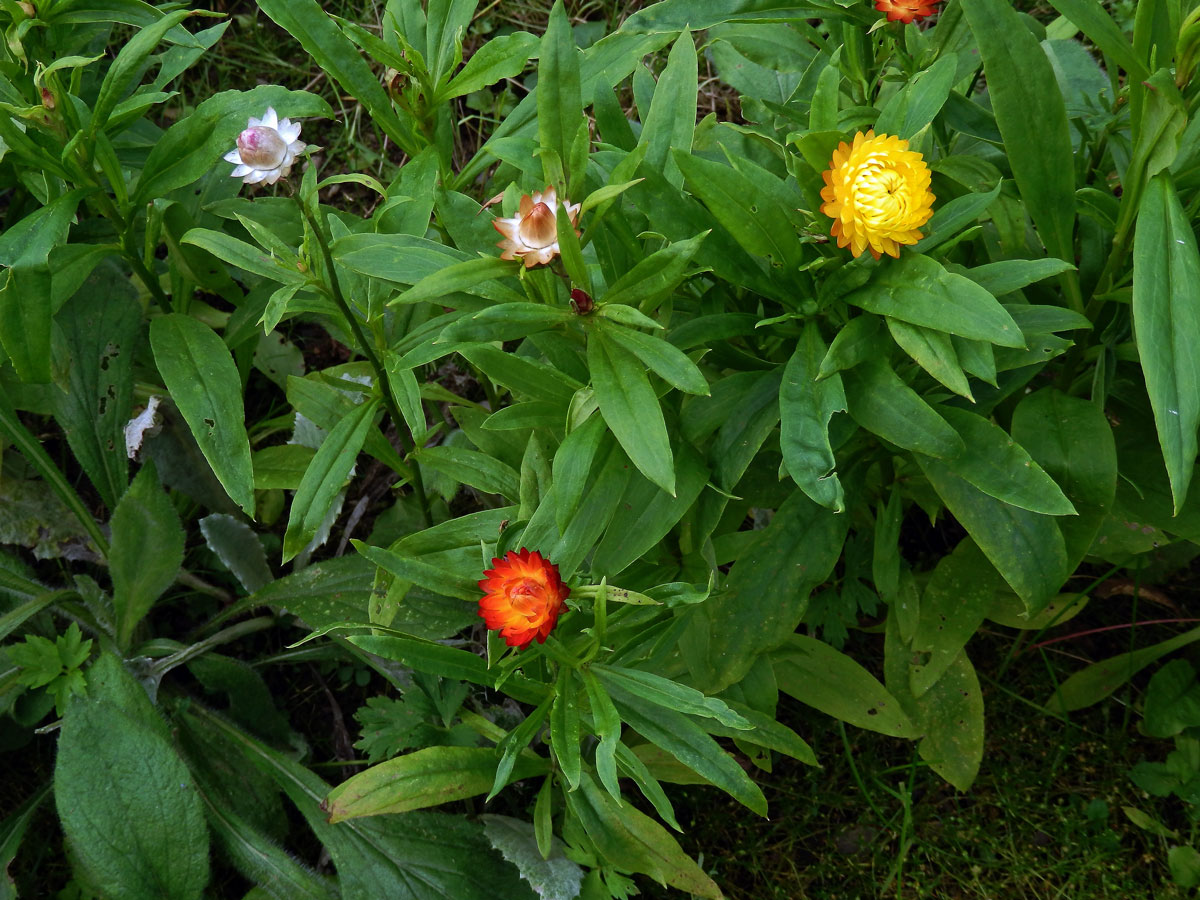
x=270 y=119
x=241 y=170
x=295 y=148
x=256 y=176
x=253 y=123
x=289 y=131
x=272 y=176
x=233 y=156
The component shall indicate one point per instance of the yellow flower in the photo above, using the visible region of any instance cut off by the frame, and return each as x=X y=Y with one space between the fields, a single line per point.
x=532 y=234
x=877 y=193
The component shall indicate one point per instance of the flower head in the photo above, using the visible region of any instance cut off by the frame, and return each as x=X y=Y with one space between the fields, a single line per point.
x=522 y=597
x=532 y=234
x=266 y=149
x=877 y=193
x=907 y=10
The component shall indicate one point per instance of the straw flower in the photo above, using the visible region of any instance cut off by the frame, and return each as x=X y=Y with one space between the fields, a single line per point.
x=522 y=597
x=266 y=149
x=532 y=234
x=877 y=193
x=907 y=10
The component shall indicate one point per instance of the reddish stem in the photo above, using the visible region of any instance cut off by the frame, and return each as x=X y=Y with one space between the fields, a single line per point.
x=1077 y=634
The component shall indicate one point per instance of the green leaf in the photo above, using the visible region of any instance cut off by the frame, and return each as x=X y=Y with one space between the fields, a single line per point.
x=934 y=352
x=497 y=59
x=961 y=591
x=1095 y=682
x=281 y=467
x=606 y=722
x=633 y=841
x=505 y=322
x=767 y=591
x=521 y=374
x=239 y=548
x=102 y=325
x=422 y=779
x=25 y=308
x=203 y=381
x=470 y=276
x=126 y=800
x=553 y=877
x=474 y=468
x=1184 y=863
x=1089 y=16
x=821 y=677
x=687 y=742
x=1167 y=326
x=438 y=579
x=671 y=119
x=146 y=553
x=1001 y=468
x=193 y=145
x=244 y=256
x=757 y=220
x=305 y=21
x=1073 y=442
x=630 y=407
x=1026 y=548
x=423 y=852
x=571 y=465
x=1008 y=275
x=564 y=728
x=880 y=402
x=325 y=477
x=1033 y=120
x=662 y=358
x=129 y=64
x=256 y=855
x=918 y=290
x=950 y=218
x=559 y=94
x=655 y=277
x=1172 y=700
x=669 y=694
x=646 y=513
x=806 y=406
x=918 y=103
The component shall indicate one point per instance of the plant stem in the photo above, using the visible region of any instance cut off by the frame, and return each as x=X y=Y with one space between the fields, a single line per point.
x=232 y=633
x=385 y=384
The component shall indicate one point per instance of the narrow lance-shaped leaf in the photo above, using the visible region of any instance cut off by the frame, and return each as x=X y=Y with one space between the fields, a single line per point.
x=203 y=381
x=631 y=409
x=1166 y=318
x=1032 y=117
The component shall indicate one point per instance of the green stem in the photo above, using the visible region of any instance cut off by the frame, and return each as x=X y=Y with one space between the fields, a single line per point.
x=855 y=774
x=385 y=384
x=232 y=633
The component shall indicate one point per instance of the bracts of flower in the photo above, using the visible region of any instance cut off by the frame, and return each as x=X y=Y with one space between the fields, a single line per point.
x=877 y=193
x=266 y=149
x=522 y=597
x=532 y=234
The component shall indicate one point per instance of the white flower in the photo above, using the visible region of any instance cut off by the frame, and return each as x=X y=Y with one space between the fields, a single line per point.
x=532 y=234
x=266 y=149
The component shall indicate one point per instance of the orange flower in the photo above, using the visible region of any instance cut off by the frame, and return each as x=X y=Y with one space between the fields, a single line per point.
x=906 y=10
x=522 y=597
x=532 y=234
x=877 y=193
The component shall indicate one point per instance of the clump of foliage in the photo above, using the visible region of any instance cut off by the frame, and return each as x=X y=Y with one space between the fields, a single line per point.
x=636 y=410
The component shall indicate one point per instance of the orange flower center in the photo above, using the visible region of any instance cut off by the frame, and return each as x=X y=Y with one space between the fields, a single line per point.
x=539 y=229
x=528 y=597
